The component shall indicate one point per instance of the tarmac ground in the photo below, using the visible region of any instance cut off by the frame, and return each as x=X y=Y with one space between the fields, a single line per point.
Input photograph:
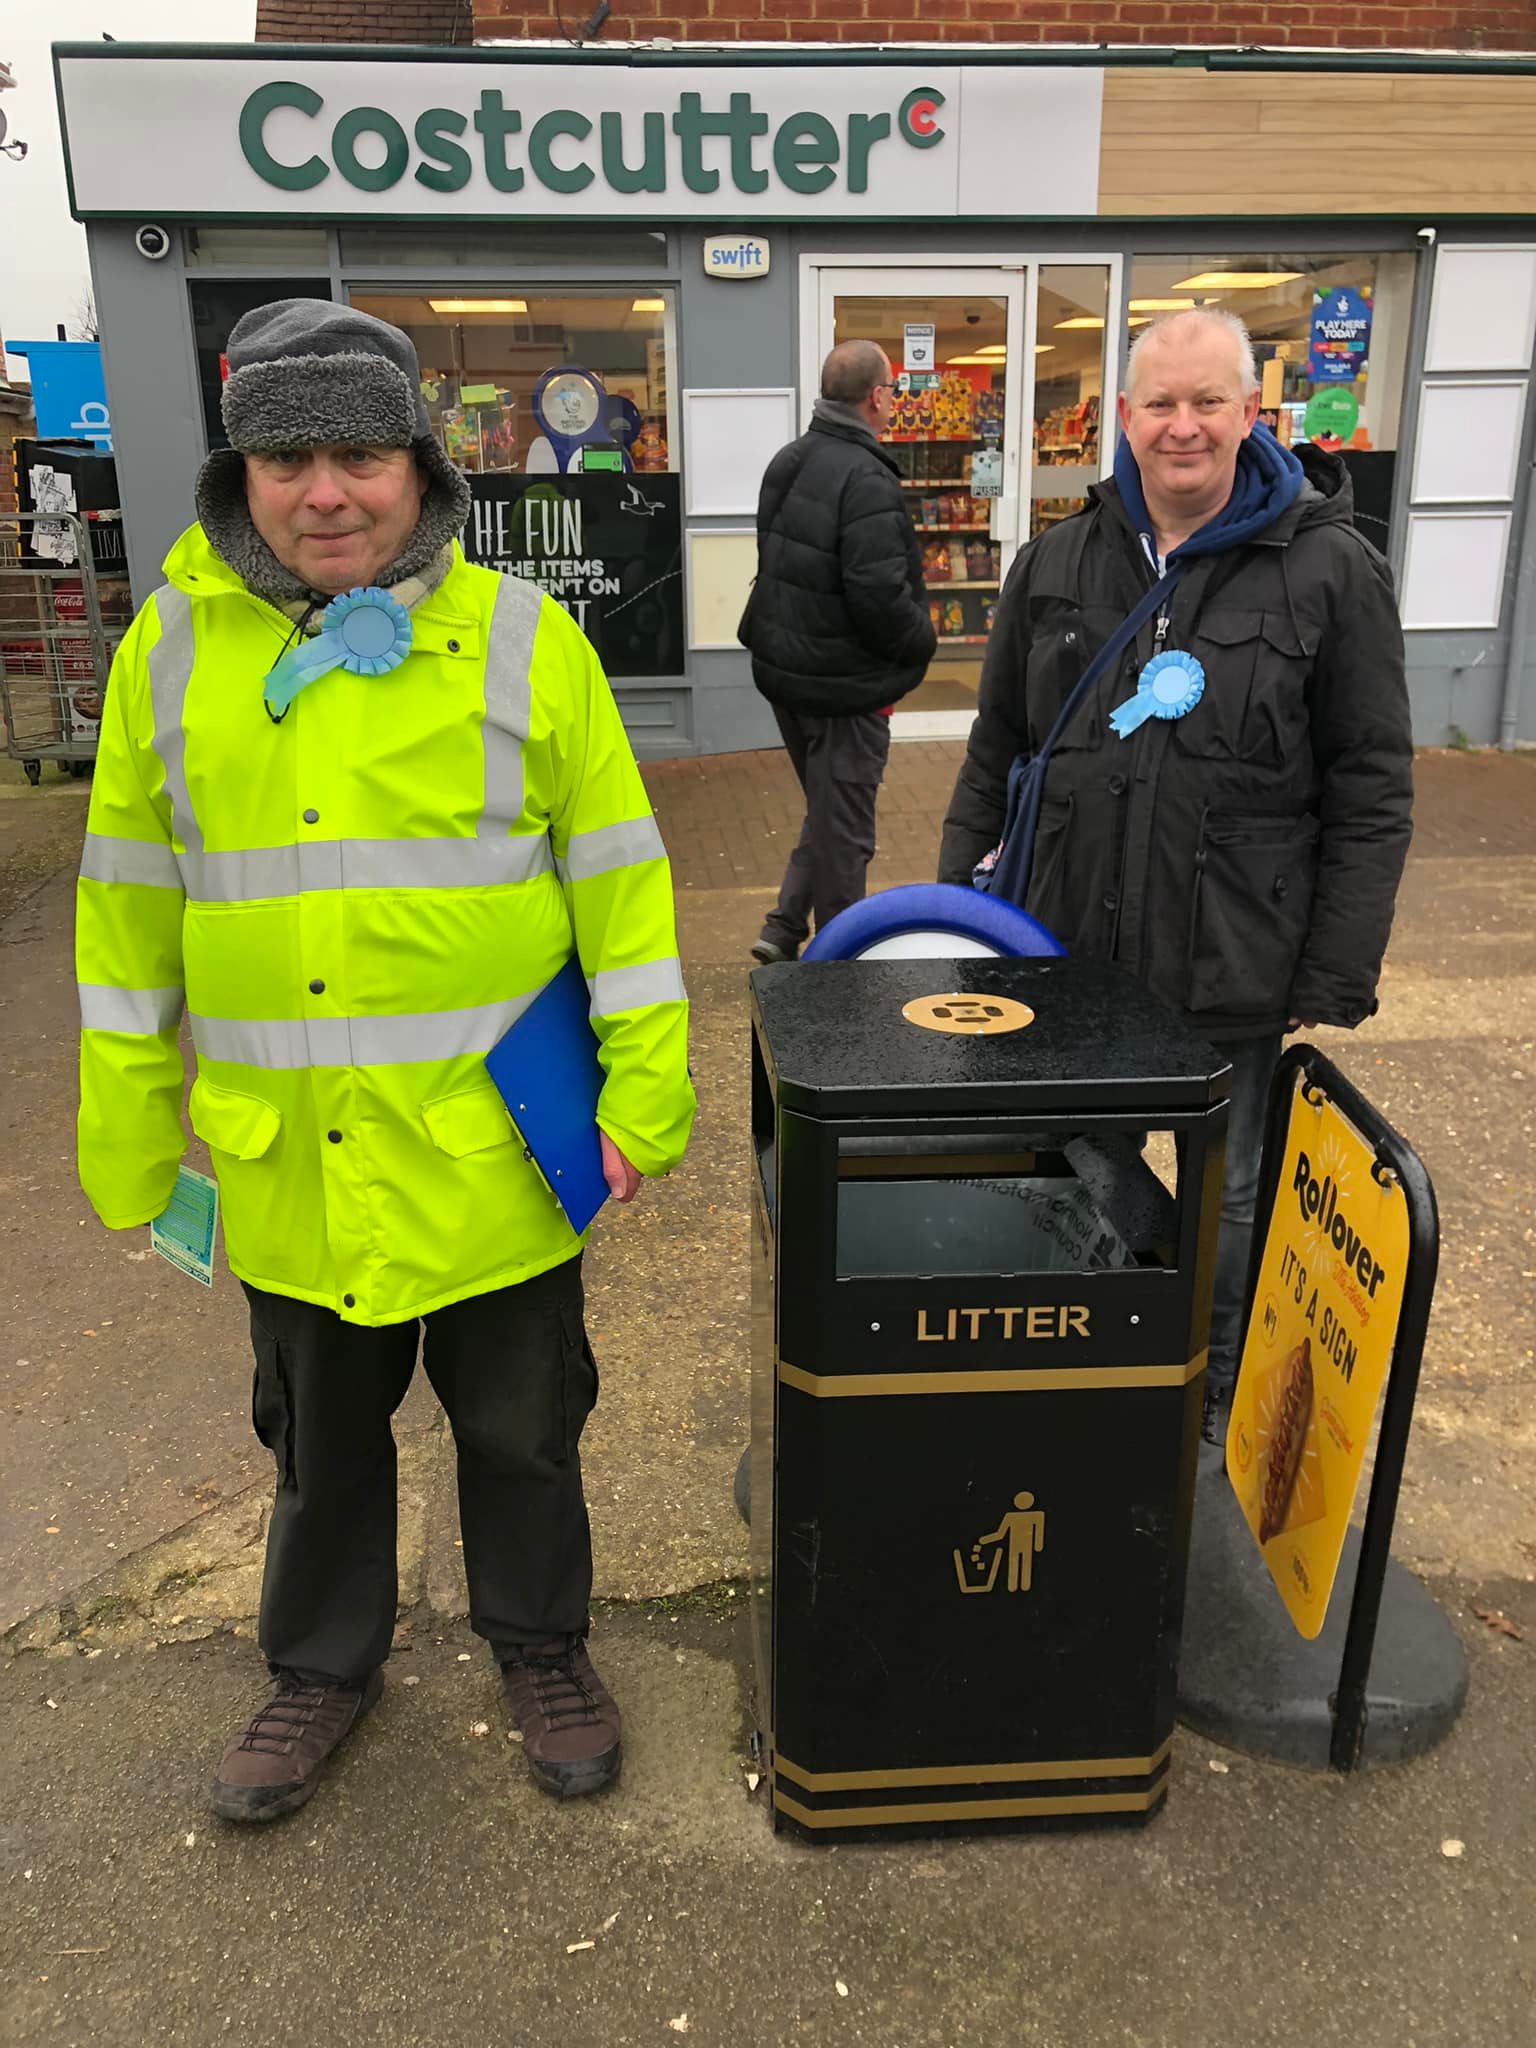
x=428 y=1893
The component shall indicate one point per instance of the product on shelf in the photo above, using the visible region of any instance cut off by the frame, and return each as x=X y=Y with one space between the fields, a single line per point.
x=989 y=409
x=461 y=436
x=936 y=562
x=933 y=512
x=953 y=406
x=978 y=561
x=988 y=614
x=649 y=451
x=958 y=570
x=936 y=614
x=954 y=618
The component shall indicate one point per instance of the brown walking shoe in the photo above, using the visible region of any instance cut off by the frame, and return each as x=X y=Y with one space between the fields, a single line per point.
x=565 y=1715
x=276 y=1760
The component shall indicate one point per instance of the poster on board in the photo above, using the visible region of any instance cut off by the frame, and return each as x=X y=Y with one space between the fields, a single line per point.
x=607 y=547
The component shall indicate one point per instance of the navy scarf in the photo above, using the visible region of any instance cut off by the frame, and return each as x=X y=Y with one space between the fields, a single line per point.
x=1267 y=481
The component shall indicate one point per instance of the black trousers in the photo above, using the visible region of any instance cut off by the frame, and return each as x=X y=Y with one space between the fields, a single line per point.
x=1253 y=1068
x=839 y=762
x=515 y=1374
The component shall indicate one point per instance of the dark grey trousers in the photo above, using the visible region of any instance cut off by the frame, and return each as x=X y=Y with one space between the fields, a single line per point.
x=1253 y=1068
x=839 y=762
x=516 y=1376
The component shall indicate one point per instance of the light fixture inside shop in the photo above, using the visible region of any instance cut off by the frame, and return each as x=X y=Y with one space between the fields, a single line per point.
x=1162 y=306
x=1080 y=320
x=972 y=363
x=649 y=306
x=1236 y=280
x=478 y=305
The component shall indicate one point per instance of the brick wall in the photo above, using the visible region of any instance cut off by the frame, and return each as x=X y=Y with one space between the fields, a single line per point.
x=1367 y=24
x=364 y=21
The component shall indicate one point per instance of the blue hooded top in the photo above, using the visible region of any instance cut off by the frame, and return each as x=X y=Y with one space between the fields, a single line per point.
x=1268 y=479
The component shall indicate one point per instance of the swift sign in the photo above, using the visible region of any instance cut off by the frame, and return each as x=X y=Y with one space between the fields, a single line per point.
x=230 y=134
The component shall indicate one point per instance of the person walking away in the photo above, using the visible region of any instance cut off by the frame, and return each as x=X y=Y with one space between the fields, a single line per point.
x=838 y=629
x=1240 y=851
x=354 y=836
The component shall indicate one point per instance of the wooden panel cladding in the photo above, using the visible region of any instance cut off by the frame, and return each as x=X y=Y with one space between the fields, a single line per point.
x=1220 y=143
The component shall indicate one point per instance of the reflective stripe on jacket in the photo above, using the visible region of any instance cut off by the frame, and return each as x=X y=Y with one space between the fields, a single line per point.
x=353 y=906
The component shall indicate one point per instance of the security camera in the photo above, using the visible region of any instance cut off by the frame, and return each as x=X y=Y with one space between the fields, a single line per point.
x=153 y=243
x=1427 y=235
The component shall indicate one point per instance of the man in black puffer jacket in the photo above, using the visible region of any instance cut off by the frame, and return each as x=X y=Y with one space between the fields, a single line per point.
x=1241 y=856
x=838 y=628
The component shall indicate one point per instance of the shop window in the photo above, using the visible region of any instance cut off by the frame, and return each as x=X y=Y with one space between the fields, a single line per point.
x=1071 y=308
x=434 y=248
x=215 y=310
x=1330 y=336
x=560 y=408
x=489 y=373
x=276 y=244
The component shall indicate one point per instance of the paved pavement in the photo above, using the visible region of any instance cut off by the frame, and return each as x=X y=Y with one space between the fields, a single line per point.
x=428 y=1895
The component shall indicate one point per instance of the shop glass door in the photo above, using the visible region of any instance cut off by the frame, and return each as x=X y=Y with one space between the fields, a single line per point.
x=955 y=339
x=1072 y=335
x=982 y=352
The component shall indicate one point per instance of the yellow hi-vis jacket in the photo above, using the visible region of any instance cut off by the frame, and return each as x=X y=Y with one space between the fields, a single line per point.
x=352 y=906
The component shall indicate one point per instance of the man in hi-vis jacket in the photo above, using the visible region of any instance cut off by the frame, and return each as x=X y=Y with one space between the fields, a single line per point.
x=355 y=870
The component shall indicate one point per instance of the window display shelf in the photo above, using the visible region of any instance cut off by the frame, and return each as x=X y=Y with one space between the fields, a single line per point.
x=960 y=583
x=975 y=526
x=962 y=639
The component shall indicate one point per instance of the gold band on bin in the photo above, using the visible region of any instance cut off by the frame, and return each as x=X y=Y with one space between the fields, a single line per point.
x=975 y=1774
x=1025 y=1380
x=1040 y=1807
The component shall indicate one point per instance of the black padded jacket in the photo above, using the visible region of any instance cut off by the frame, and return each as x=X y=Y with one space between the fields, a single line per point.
x=1243 y=860
x=837 y=621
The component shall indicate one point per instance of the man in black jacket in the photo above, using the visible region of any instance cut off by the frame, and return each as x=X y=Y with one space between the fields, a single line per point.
x=838 y=628
x=1241 y=856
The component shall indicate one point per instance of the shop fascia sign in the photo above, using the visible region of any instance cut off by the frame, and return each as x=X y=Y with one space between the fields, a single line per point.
x=254 y=134
x=566 y=151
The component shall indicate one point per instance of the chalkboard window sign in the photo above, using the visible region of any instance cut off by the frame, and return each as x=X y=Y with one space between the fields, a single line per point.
x=608 y=547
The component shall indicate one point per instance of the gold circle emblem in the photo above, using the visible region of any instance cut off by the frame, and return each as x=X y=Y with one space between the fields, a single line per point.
x=968 y=1016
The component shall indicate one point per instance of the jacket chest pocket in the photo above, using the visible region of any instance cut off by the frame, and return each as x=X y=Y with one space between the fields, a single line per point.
x=1058 y=653
x=1257 y=666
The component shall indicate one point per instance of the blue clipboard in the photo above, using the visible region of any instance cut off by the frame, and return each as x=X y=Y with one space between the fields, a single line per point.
x=547 y=1069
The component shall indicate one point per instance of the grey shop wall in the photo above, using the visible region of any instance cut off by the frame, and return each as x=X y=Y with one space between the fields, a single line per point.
x=738 y=334
x=152 y=389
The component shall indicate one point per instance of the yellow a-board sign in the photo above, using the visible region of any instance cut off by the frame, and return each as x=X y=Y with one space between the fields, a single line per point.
x=1320 y=1338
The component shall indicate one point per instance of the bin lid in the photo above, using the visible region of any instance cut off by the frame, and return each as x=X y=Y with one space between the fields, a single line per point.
x=849 y=1038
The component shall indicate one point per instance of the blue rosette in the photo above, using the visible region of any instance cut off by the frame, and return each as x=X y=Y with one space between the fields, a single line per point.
x=1167 y=687
x=365 y=632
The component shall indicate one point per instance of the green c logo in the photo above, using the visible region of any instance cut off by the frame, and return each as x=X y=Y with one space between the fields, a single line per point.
x=918 y=120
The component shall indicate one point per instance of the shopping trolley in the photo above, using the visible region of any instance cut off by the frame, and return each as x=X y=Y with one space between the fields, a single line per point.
x=60 y=625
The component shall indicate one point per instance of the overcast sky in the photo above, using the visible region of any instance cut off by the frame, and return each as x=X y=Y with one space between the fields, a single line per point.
x=43 y=267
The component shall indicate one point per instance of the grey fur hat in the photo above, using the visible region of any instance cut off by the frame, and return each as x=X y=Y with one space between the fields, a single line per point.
x=304 y=373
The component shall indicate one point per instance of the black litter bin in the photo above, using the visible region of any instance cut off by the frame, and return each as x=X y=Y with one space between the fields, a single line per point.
x=986 y=1196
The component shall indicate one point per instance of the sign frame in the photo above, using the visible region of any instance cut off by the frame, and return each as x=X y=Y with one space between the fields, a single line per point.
x=1303 y=1075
